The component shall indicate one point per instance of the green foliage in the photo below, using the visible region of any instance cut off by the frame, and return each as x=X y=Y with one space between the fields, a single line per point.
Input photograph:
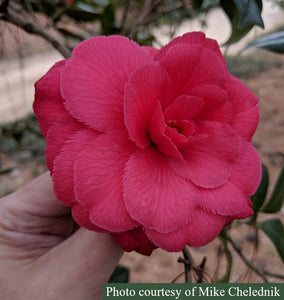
x=22 y=135
x=85 y=12
x=137 y=18
x=120 y=275
x=243 y=15
x=275 y=202
x=108 y=20
x=273 y=42
x=259 y=197
x=274 y=229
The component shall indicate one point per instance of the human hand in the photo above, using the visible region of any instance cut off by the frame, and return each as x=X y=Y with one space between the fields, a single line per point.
x=42 y=253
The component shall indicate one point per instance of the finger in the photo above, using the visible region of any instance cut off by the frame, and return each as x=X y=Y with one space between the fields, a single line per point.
x=84 y=261
x=38 y=198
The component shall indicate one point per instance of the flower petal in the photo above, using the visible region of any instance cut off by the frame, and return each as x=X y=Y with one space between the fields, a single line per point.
x=245 y=123
x=216 y=105
x=246 y=111
x=147 y=86
x=63 y=174
x=248 y=211
x=81 y=216
x=157 y=129
x=246 y=173
x=226 y=199
x=48 y=104
x=64 y=127
x=92 y=83
x=193 y=38
x=99 y=171
x=212 y=95
x=207 y=162
x=240 y=96
x=184 y=108
x=191 y=65
x=200 y=230
x=151 y=51
x=154 y=195
x=136 y=240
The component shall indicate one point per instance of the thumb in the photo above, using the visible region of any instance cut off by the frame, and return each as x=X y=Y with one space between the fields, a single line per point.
x=82 y=263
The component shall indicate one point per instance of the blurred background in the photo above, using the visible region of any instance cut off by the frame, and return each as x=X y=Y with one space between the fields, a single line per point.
x=35 y=34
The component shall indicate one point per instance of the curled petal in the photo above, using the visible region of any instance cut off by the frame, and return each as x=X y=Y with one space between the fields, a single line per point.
x=182 y=132
x=163 y=142
x=147 y=86
x=48 y=104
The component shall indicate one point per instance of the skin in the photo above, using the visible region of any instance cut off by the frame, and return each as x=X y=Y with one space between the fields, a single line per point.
x=43 y=253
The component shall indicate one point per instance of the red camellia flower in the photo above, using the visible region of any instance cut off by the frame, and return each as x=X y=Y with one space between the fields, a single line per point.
x=151 y=146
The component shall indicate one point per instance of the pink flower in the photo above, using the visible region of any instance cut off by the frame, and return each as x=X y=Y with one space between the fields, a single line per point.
x=151 y=146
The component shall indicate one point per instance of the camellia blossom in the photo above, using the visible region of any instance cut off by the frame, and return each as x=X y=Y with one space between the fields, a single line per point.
x=151 y=146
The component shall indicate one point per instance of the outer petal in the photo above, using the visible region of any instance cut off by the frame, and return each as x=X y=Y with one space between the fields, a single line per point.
x=134 y=240
x=64 y=127
x=81 y=216
x=226 y=199
x=248 y=211
x=240 y=96
x=193 y=38
x=246 y=173
x=191 y=65
x=154 y=195
x=208 y=161
x=246 y=113
x=63 y=174
x=48 y=104
x=245 y=123
x=151 y=51
x=99 y=171
x=146 y=87
x=202 y=229
x=92 y=84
